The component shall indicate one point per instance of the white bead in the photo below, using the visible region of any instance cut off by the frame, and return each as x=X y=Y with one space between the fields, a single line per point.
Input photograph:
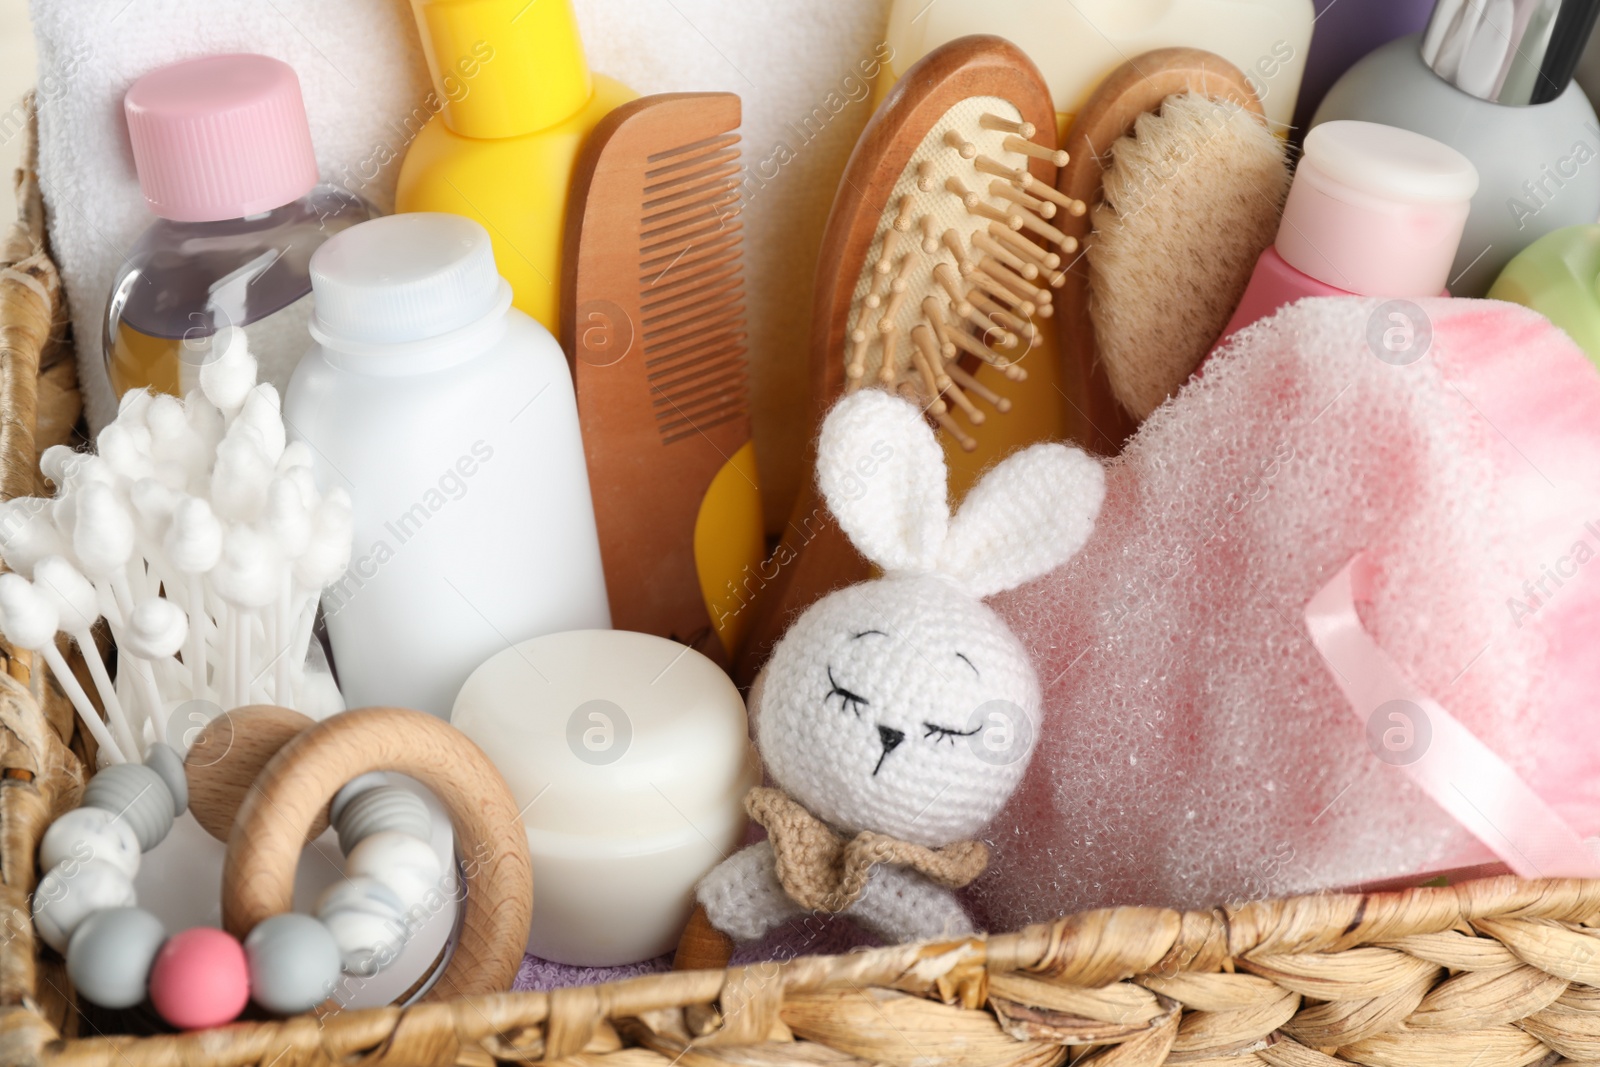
x=408 y=865
x=367 y=920
x=73 y=891
x=84 y=834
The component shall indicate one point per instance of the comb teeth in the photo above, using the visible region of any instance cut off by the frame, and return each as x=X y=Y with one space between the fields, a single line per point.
x=956 y=271
x=692 y=287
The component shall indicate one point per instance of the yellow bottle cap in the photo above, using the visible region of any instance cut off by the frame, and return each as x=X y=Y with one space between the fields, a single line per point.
x=503 y=68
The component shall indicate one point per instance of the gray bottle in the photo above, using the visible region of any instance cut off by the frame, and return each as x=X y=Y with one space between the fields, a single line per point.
x=1493 y=80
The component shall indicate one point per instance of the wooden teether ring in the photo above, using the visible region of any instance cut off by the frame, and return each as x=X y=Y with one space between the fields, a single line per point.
x=264 y=847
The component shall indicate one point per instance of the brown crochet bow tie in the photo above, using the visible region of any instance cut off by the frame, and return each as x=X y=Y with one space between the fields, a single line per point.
x=824 y=871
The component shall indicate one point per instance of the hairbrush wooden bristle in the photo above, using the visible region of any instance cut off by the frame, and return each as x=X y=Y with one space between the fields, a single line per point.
x=944 y=244
x=942 y=247
x=653 y=324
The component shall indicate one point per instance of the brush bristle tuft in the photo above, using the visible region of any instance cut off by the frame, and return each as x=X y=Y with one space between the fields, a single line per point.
x=956 y=271
x=1190 y=201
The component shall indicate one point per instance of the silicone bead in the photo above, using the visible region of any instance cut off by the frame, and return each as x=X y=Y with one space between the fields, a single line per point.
x=199 y=979
x=408 y=865
x=387 y=809
x=367 y=921
x=165 y=761
x=91 y=834
x=352 y=789
x=109 y=956
x=139 y=795
x=73 y=891
x=294 y=963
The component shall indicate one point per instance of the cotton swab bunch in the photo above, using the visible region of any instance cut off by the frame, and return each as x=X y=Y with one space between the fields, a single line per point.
x=199 y=535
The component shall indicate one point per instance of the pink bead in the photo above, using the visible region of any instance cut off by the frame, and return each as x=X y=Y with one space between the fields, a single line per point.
x=200 y=979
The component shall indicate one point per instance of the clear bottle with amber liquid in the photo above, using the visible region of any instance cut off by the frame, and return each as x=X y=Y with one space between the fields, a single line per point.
x=225 y=162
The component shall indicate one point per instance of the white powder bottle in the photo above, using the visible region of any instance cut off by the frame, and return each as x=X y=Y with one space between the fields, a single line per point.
x=449 y=417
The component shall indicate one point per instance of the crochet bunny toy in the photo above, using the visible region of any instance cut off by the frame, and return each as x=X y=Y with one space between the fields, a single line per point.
x=895 y=717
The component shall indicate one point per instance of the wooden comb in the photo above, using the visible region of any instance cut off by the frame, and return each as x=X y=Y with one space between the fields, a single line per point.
x=1133 y=89
x=942 y=246
x=653 y=325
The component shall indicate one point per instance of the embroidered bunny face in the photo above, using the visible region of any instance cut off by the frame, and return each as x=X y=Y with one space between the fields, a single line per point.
x=912 y=711
x=904 y=705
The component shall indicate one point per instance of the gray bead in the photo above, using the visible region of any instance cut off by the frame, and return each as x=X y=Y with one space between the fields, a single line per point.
x=294 y=963
x=166 y=762
x=109 y=956
x=352 y=789
x=139 y=794
x=386 y=809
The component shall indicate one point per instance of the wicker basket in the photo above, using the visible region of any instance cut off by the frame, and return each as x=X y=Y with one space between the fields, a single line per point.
x=1492 y=973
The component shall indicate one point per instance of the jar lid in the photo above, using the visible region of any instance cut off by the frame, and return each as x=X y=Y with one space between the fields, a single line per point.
x=220 y=137
x=1376 y=210
x=403 y=278
x=609 y=733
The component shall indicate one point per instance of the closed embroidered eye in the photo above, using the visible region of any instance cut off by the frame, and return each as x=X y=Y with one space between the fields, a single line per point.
x=941 y=733
x=848 y=701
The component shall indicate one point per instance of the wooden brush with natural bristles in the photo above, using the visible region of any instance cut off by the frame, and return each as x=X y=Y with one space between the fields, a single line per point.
x=943 y=246
x=1187 y=183
x=955 y=273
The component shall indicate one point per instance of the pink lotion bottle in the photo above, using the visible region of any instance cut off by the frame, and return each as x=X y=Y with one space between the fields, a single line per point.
x=1373 y=211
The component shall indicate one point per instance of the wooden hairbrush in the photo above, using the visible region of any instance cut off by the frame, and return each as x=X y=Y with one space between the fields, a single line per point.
x=943 y=245
x=653 y=325
x=1136 y=88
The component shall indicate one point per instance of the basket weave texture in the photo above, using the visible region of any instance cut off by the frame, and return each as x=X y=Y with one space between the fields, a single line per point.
x=1492 y=973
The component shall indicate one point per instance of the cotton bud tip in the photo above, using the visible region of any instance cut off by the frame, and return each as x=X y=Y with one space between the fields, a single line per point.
x=153 y=502
x=250 y=573
x=296 y=454
x=240 y=478
x=230 y=373
x=28 y=533
x=194 y=540
x=156 y=629
x=102 y=533
x=328 y=553
x=125 y=449
x=28 y=619
x=57 y=580
x=205 y=421
x=59 y=463
x=287 y=518
x=262 y=412
x=134 y=406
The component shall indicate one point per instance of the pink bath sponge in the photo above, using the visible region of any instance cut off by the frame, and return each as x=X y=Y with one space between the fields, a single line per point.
x=1196 y=750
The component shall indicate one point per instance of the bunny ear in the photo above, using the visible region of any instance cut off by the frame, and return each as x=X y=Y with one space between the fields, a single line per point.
x=1027 y=516
x=883 y=475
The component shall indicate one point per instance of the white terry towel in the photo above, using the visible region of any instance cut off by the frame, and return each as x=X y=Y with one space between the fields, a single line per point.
x=361 y=72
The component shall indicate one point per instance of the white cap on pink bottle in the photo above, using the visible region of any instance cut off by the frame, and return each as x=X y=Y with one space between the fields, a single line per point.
x=220 y=137
x=1376 y=210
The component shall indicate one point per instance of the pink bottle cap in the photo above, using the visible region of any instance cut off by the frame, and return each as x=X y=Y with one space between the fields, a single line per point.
x=1376 y=210
x=220 y=137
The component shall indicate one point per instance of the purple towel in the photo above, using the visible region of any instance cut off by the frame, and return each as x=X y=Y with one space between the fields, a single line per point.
x=813 y=936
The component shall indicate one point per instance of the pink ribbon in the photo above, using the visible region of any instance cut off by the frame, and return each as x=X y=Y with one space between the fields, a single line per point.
x=1410 y=730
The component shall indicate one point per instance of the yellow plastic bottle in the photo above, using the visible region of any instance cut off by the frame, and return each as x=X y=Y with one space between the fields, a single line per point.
x=518 y=101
